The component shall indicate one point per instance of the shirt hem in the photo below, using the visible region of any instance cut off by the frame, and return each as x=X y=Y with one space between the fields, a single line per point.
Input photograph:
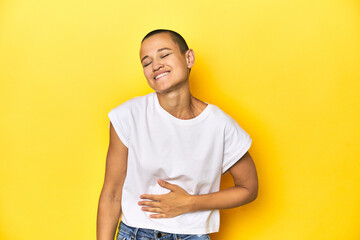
x=118 y=130
x=237 y=157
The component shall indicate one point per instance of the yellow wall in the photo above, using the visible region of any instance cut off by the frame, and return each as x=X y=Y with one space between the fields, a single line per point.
x=287 y=71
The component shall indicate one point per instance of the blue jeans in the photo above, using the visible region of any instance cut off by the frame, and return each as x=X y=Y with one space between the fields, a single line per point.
x=131 y=233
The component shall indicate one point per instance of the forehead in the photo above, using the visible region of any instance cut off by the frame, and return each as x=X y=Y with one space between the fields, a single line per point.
x=155 y=42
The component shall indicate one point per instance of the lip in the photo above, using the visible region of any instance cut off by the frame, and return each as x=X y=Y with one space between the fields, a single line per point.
x=161 y=76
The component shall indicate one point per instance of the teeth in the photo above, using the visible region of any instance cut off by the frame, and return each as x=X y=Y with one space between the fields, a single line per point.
x=160 y=75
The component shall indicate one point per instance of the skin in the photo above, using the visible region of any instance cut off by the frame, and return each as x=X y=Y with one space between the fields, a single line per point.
x=159 y=54
x=109 y=207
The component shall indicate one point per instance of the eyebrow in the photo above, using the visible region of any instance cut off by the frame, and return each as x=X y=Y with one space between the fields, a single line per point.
x=159 y=50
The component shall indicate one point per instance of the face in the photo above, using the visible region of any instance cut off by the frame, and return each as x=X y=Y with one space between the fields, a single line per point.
x=165 y=67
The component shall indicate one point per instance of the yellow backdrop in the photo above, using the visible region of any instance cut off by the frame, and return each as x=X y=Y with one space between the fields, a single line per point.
x=287 y=71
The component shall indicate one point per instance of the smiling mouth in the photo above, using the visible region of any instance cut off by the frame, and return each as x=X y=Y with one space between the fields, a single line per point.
x=161 y=75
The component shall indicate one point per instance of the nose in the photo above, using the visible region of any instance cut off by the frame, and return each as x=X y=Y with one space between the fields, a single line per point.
x=156 y=65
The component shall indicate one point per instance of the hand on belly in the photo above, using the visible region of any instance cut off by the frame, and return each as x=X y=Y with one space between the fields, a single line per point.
x=168 y=205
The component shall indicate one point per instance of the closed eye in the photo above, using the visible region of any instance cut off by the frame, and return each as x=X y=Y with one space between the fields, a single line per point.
x=165 y=55
x=147 y=64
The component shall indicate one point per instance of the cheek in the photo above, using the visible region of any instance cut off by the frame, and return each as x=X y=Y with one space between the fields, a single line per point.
x=181 y=70
x=147 y=73
x=181 y=64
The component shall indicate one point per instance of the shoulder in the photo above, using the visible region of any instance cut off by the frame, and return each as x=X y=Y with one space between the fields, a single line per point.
x=220 y=115
x=131 y=105
x=225 y=120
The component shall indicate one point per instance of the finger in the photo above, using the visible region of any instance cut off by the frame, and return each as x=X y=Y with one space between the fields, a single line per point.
x=151 y=197
x=149 y=203
x=167 y=185
x=151 y=209
x=158 y=215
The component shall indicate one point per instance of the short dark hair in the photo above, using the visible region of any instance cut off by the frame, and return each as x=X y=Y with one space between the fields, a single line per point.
x=176 y=37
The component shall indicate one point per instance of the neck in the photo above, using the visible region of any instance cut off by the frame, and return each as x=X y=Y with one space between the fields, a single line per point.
x=181 y=104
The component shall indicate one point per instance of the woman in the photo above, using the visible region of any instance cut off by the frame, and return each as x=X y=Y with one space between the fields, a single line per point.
x=167 y=153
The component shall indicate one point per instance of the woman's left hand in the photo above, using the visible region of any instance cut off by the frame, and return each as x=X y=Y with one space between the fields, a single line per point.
x=169 y=205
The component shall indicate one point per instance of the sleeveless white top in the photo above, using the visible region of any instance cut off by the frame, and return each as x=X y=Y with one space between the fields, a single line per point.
x=192 y=154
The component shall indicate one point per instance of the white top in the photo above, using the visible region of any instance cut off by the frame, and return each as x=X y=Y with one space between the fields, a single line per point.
x=191 y=153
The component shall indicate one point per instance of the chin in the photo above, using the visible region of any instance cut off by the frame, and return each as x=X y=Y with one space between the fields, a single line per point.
x=161 y=89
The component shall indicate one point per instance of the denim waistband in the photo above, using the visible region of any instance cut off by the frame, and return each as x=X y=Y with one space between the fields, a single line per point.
x=144 y=233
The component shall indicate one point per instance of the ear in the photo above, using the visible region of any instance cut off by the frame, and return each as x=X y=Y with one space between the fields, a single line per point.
x=190 y=58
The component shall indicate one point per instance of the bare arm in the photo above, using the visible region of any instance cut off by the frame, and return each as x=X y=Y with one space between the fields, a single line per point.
x=109 y=208
x=244 y=191
x=178 y=201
